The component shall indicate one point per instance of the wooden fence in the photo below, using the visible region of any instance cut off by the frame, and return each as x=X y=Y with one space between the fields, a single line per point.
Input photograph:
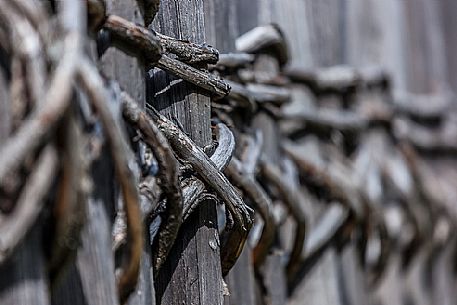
x=228 y=152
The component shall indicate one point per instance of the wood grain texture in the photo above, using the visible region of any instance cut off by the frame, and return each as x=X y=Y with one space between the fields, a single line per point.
x=241 y=281
x=192 y=273
x=448 y=9
x=128 y=71
x=91 y=279
x=372 y=41
x=222 y=29
x=26 y=282
x=221 y=24
x=425 y=47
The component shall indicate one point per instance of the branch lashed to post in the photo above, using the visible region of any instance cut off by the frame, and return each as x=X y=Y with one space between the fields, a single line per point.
x=55 y=98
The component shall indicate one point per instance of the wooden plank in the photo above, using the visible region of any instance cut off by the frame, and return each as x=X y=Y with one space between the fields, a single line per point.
x=372 y=41
x=192 y=272
x=326 y=32
x=126 y=70
x=241 y=281
x=290 y=15
x=129 y=72
x=423 y=74
x=448 y=9
x=221 y=24
x=91 y=279
x=23 y=279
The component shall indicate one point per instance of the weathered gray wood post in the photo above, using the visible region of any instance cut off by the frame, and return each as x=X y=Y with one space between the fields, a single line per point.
x=192 y=272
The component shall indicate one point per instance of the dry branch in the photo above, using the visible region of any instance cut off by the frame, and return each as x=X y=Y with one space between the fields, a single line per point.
x=442 y=140
x=319 y=239
x=30 y=203
x=240 y=94
x=68 y=211
x=133 y=39
x=242 y=173
x=139 y=41
x=96 y=11
x=201 y=79
x=324 y=182
x=337 y=79
x=168 y=174
x=234 y=240
x=296 y=203
x=234 y=60
x=328 y=120
x=268 y=38
x=221 y=157
x=269 y=94
x=188 y=52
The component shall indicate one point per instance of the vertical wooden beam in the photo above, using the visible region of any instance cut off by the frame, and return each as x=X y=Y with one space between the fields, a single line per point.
x=424 y=46
x=24 y=278
x=272 y=271
x=221 y=24
x=448 y=10
x=91 y=279
x=129 y=72
x=192 y=272
x=372 y=41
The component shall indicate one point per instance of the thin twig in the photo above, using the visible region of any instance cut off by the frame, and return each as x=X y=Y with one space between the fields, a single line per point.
x=262 y=38
x=221 y=157
x=318 y=178
x=133 y=39
x=189 y=52
x=337 y=79
x=201 y=79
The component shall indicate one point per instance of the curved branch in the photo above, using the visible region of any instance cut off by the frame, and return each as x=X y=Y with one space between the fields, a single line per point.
x=328 y=228
x=57 y=99
x=238 y=174
x=133 y=39
x=221 y=157
x=318 y=178
x=234 y=240
x=296 y=204
x=30 y=203
x=92 y=83
x=189 y=52
x=168 y=175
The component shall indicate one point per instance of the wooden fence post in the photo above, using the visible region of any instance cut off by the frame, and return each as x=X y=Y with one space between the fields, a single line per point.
x=192 y=272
